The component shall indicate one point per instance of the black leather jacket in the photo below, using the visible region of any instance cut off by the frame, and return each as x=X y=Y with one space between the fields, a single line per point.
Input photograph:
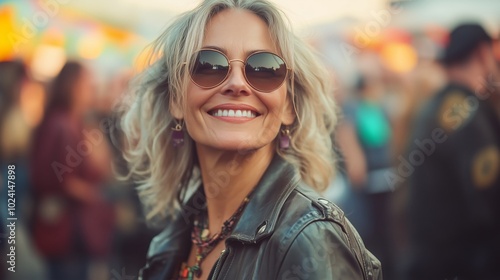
x=287 y=231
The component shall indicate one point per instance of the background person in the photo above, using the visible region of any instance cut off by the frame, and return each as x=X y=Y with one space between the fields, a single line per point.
x=365 y=137
x=454 y=192
x=72 y=221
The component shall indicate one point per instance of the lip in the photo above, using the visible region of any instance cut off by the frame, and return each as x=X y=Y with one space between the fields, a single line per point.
x=230 y=106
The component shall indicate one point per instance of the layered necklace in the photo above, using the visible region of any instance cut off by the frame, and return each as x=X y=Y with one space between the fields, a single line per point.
x=200 y=236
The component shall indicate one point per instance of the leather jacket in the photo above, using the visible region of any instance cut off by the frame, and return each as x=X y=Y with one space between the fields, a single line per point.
x=287 y=231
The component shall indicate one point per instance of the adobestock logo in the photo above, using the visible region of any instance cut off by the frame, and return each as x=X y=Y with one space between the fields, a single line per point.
x=372 y=29
x=40 y=19
x=457 y=114
x=74 y=156
x=424 y=148
x=117 y=275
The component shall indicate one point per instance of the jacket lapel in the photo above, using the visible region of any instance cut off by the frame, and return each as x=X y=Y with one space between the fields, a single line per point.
x=258 y=220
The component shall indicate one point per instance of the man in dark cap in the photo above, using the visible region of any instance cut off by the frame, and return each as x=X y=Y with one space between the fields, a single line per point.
x=453 y=167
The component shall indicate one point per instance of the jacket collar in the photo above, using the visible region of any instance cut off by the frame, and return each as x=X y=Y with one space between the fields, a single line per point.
x=257 y=221
x=261 y=213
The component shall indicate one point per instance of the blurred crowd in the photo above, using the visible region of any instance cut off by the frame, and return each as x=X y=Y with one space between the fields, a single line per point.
x=418 y=169
x=75 y=220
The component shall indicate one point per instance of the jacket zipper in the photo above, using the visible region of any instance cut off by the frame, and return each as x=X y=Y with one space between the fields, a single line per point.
x=216 y=270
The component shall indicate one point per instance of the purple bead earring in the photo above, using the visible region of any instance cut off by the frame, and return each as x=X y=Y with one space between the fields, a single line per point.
x=177 y=135
x=285 y=139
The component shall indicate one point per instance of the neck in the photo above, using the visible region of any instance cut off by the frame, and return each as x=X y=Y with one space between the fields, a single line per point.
x=228 y=177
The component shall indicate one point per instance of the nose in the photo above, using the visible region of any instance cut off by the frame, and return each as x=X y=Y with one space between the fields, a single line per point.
x=236 y=83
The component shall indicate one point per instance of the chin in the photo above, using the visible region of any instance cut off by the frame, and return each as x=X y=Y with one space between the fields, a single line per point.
x=239 y=144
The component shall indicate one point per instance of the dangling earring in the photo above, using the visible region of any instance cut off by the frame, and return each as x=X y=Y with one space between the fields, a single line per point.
x=177 y=135
x=285 y=139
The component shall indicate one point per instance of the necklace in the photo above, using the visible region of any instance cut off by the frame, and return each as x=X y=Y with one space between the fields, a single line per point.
x=204 y=243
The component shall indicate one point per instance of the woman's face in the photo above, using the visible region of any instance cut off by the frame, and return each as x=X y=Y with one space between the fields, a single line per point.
x=237 y=33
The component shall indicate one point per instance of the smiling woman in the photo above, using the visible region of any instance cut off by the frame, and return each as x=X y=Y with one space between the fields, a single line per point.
x=235 y=95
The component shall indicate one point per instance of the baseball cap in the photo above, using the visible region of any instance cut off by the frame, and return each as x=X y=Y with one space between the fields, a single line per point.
x=463 y=40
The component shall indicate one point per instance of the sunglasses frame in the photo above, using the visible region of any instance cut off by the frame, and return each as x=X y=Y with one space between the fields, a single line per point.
x=244 y=70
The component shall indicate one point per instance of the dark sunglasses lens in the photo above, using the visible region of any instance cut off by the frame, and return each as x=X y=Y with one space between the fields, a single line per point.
x=210 y=68
x=265 y=71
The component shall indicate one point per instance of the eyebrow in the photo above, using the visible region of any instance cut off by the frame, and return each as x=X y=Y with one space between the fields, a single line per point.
x=223 y=50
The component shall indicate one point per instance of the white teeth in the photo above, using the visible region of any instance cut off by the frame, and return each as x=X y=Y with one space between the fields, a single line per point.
x=234 y=113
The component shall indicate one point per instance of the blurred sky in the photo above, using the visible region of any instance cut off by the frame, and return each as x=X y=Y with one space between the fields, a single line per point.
x=149 y=14
x=302 y=13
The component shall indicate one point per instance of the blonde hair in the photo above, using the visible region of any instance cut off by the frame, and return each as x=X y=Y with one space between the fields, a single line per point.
x=163 y=172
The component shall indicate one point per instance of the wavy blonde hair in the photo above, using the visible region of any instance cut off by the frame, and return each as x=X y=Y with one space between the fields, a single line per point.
x=163 y=172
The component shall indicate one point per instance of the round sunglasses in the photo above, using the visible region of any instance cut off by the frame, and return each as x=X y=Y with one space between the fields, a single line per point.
x=263 y=71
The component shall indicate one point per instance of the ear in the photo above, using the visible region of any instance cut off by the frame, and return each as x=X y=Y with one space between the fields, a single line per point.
x=176 y=110
x=288 y=115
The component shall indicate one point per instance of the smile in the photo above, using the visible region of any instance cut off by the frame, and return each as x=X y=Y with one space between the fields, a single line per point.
x=233 y=113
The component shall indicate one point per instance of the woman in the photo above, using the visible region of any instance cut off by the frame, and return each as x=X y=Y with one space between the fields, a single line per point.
x=240 y=110
x=72 y=223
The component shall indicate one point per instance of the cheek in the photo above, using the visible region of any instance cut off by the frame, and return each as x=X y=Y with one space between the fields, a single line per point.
x=193 y=105
x=276 y=103
x=194 y=99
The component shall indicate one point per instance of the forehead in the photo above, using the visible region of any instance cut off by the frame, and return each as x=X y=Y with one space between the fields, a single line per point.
x=238 y=31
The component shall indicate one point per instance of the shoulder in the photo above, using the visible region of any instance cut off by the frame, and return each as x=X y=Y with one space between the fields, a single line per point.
x=315 y=237
x=305 y=206
x=319 y=251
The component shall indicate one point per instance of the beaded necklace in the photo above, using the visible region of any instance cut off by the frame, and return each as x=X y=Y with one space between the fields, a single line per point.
x=200 y=236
